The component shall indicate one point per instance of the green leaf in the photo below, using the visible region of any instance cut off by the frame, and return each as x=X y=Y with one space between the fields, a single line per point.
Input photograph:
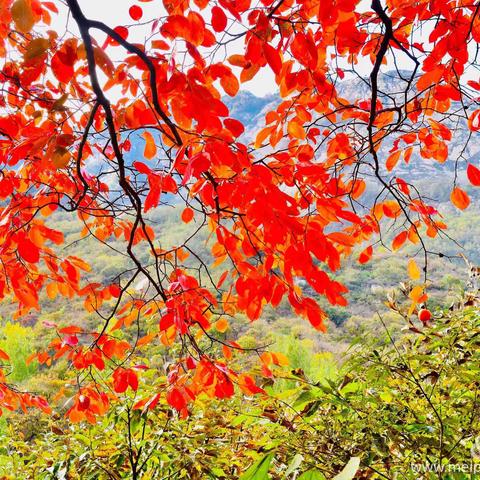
x=312 y=475
x=259 y=470
x=349 y=470
x=351 y=387
x=304 y=398
x=294 y=464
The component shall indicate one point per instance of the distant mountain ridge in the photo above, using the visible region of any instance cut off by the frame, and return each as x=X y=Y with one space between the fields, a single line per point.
x=250 y=110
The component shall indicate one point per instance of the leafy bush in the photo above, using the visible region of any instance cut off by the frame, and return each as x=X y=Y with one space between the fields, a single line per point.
x=395 y=406
x=17 y=341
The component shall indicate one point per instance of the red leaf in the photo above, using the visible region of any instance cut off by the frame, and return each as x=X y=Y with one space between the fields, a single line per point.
x=366 y=255
x=219 y=19
x=120 y=380
x=187 y=215
x=135 y=12
x=132 y=380
x=71 y=330
x=473 y=174
x=273 y=58
x=235 y=126
x=248 y=385
x=122 y=31
x=62 y=70
x=115 y=290
x=70 y=340
x=28 y=250
x=176 y=399
x=224 y=387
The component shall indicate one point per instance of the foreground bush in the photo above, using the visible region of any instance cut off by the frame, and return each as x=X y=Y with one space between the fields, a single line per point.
x=398 y=406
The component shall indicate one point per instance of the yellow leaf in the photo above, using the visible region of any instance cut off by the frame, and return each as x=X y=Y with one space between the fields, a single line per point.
x=280 y=359
x=413 y=270
x=58 y=105
x=36 y=48
x=418 y=295
x=22 y=15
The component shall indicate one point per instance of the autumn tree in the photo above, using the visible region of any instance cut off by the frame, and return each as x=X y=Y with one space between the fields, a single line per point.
x=283 y=206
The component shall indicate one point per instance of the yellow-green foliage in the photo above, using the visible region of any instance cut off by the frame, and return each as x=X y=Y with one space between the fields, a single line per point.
x=17 y=341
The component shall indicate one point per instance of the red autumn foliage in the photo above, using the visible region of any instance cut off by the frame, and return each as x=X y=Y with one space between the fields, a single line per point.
x=284 y=208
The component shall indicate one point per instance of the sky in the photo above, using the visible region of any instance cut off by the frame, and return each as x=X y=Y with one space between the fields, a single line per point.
x=115 y=12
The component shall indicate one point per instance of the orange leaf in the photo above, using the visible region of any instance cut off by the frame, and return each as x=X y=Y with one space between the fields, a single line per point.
x=417 y=294
x=227 y=352
x=358 y=188
x=52 y=290
x=237 y=60
x=392 y=160
x=296 y=130
x=222 y=325
x=266 y=358
x=4 y=355
x=70 y=330
x=262 y=136
x=30 y=359
x=460 y=198
x=230 y=84
x=150 y=147
x=280 y=359
x=399 y=240
x=222 y=279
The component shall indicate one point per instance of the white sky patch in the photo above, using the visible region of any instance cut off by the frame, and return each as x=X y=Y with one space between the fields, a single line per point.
x=115 y=13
